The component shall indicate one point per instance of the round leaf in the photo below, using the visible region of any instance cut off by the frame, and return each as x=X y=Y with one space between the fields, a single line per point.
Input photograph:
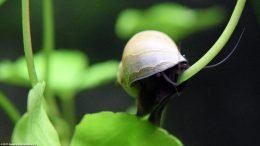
x=99 y=73
x=65 y=69
x=174 y=19
x=120 y=129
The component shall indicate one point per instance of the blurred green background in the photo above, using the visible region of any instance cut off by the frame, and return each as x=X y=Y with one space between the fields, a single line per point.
x=220 y=106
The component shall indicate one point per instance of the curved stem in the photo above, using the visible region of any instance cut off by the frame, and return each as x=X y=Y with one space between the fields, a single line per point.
x=219 y=44
x=27 y=42
x=9 y=108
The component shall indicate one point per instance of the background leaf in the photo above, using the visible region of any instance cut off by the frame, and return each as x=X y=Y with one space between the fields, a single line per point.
x=99 y=74
x=2 y=2
x=65 y=68
x=120 y=129
x=69 y=71
x=11 y=73
x=174 y=19
x=35 y=127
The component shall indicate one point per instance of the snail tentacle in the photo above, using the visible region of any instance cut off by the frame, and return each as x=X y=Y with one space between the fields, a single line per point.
x=226 y=58
x=171 y=82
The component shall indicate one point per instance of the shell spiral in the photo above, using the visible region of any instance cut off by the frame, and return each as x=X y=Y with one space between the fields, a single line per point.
x=145 y=54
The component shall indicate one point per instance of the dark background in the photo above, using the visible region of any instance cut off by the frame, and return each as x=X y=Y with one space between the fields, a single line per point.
x=219 y=107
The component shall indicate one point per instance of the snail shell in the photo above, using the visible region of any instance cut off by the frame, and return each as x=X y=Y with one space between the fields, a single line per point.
x=146 y=53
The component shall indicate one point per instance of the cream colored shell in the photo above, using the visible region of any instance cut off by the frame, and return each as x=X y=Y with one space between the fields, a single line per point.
x=145 y=54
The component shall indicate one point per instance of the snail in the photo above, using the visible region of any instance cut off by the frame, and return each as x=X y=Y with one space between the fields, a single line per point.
x=148 y=71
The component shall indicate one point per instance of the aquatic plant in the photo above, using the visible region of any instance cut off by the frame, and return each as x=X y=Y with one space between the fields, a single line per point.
x=43 y=124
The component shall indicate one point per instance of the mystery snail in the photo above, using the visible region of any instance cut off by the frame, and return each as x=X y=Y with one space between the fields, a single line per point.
x=149 y=69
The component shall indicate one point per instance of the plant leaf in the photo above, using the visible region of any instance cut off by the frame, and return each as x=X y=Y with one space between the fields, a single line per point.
x=120 y=129
x=99 y=74
x=2 y=2
x=174 y=19
x=69 y=71
x=65 y=68
x=10 y=74
x=35 y=127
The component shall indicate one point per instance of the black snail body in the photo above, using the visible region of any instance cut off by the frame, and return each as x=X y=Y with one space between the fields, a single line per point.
x=149 y=70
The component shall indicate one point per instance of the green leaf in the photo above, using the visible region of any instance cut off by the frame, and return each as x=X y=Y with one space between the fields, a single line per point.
x=66 y=68
x=99 y=74
x=69 y=71
x=2 y=2
x=10 y=74
x=174 y=19
x=120 y=129
x=35 y=127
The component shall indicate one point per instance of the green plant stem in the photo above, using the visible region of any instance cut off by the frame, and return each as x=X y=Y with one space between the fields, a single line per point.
x=68 y=110
x=48 y=34
x=53 y=111
x=27 y=42
x=48 y=47
x=9 y=108
x=219 y=44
